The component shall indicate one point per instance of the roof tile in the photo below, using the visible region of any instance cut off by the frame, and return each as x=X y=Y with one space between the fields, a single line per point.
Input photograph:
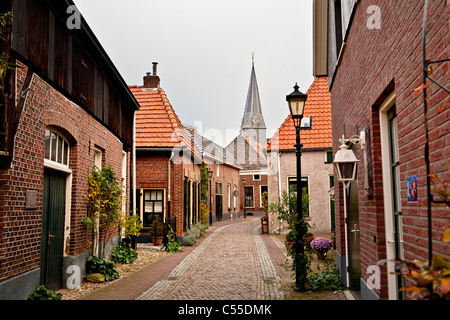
x=318 y=106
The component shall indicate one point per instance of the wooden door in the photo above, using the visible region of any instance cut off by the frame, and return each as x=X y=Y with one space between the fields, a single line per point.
x=52 y=236
x=354 y=239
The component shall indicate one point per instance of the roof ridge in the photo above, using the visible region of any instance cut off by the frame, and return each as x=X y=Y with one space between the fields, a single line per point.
x=174 y=120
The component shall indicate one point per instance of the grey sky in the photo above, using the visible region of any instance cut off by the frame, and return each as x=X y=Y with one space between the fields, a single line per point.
x=204 y=50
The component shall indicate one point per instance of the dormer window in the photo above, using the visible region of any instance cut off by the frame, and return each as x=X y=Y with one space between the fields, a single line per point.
x=306 y=123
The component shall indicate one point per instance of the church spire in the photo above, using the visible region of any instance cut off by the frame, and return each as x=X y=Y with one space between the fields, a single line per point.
x=253 y=118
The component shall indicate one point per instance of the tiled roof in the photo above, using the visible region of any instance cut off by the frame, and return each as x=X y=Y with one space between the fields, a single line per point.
x=157 y=124
x=211 y=149
x=318 y=106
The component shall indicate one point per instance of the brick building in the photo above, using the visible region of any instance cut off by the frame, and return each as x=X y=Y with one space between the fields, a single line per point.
x=167 y=162
x=64 y=109
x=222 y=199
x=317 y=169
x=372 y=53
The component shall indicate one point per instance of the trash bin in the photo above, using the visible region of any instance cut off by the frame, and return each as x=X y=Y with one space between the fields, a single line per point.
x=265 y=225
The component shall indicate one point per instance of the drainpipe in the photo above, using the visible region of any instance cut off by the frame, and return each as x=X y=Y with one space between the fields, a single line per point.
x=134 y=162
x=280 y=226
x=168 y=189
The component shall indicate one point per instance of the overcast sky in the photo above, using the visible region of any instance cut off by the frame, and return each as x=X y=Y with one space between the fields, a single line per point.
x=204 y=50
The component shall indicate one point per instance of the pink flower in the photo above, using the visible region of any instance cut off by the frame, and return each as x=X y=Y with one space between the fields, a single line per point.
x=321 y=244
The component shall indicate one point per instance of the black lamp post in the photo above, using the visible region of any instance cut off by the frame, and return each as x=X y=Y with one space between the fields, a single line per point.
x=210 y=174
x=296 y=101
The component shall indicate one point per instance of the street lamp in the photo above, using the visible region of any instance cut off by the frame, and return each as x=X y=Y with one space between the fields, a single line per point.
x=296 y=101
x=210 y=174
x=345 y=163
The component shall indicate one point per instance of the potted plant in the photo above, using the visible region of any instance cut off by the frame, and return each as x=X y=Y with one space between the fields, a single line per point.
x=133 y=226
x=157 y=232
x=321 y=245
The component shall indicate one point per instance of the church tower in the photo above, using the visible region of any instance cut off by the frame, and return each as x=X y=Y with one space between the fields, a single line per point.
x=253 y=125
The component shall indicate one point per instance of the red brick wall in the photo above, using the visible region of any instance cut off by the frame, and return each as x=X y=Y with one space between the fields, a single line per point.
x=20 y=229
x=256 y=191
x=152 y=172
x=374 y=63
x=228 y=175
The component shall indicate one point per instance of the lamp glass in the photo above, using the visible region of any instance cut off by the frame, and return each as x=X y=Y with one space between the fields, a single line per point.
x=346 y=170
x=296 y=102
x=210 y=174
x=345 y=163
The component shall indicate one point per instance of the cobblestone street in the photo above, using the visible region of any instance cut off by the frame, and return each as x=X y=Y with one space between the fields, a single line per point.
x=231 y=263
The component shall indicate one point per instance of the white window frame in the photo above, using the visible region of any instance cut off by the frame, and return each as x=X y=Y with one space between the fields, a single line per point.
x=388 y=195
x=98 y=157
x=253 y=197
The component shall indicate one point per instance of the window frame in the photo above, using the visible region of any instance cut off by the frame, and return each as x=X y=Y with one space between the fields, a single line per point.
x=64 y=164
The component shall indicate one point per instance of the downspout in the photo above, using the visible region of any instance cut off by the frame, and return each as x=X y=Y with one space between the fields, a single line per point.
x=168 y=190
x=134 y=163
x=280 y=225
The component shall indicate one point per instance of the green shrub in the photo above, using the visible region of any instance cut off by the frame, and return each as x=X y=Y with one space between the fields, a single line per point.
x=42 y=293
x=326 y=280
x=189 y=239
x=192 y=235
x=173 y=245
x=99 y=265
x=123 y=253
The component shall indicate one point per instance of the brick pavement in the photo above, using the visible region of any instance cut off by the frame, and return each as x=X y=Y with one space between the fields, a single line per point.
x=234 y=262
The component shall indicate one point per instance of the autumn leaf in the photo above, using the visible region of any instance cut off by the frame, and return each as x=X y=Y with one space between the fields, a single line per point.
x=422 y=87
x=445 y=285
x=446 y=235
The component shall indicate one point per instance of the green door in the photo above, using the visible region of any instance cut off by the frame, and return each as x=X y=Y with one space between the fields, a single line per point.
x=52 y=236
x=353 y=240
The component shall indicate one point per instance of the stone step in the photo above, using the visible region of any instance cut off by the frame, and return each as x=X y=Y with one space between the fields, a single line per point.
x=148 y=247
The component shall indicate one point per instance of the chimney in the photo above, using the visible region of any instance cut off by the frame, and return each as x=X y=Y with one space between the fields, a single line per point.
x=152 y=81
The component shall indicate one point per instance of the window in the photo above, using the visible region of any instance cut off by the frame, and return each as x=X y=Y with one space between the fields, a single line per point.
x=153 y=206
x=256 y=177
x=292 y=182
x=338 y=26
x=56 y=148
x=98 y=158
x=218 y=170
x=248 y=197
x=262 y=190
x=306 y=123
x=329 y=156
x=218 y=188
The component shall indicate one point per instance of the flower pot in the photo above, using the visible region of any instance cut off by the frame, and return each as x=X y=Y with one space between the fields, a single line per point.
x=157 y=240
x=321 y=255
